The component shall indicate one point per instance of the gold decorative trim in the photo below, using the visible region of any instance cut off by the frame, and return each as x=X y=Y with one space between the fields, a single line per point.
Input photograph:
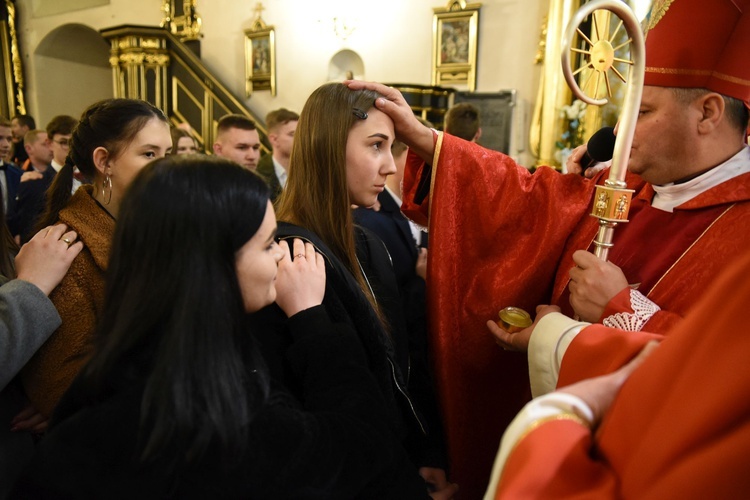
x=150 y=43
x=20 y=103
x=658 y=10
x=185 y=27
x=552 y=418
x=698 y=72
x=571 y=417
x=435 y=158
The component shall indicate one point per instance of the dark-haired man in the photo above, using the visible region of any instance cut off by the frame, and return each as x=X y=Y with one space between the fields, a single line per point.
x=10 y=174
x=462 y=120
x=29 y=201
x=20 y=125
x=237 y=139
x=59 y=133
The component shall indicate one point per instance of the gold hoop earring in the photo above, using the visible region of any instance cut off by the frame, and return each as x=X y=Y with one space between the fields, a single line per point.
x=107 y=190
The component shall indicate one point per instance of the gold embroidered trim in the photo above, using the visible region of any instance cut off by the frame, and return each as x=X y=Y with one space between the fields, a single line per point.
x=698 y=72
x=560 y=416
x=689 y=248
x=538 y=423
x=658 y=10
x=435 y=157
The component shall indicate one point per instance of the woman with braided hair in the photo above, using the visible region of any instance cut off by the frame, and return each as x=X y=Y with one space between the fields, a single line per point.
x=113 y=141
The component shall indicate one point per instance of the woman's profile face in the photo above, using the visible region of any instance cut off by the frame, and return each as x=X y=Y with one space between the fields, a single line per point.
x=256 y=263
x=185 y=146
x=368 y=157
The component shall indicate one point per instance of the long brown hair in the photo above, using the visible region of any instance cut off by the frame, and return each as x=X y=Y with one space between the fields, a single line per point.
x=316 y=195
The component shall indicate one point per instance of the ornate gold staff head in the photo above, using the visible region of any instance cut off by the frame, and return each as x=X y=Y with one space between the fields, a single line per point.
x=612 y=200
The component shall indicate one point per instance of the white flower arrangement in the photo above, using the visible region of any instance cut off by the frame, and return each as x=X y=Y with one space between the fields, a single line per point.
x=572 y=136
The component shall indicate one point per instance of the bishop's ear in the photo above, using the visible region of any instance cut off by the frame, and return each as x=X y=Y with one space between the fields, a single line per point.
x=712 y=112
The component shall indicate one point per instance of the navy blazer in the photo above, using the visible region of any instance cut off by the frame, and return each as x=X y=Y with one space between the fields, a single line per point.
x=12 y=180
x=391 y=226
x=28 y=205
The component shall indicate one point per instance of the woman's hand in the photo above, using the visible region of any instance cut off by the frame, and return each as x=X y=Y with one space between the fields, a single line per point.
x=300 y=282
x=29 y=419
x=45 y=259
x=437 y=484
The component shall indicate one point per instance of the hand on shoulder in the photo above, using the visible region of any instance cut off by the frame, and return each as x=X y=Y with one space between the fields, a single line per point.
x=301 y=279
x=45 y=259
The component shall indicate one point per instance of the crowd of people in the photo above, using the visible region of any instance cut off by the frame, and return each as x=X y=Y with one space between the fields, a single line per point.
x=175 y=324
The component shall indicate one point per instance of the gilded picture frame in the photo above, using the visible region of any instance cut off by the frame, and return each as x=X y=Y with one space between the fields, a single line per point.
x=260 y=58
x=455 y=30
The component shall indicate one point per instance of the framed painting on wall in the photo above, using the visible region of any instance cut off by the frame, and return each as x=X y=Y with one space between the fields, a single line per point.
x=454 y=47
x=260 y=58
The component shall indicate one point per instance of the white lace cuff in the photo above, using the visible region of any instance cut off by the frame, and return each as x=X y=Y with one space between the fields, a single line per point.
x=642 y=308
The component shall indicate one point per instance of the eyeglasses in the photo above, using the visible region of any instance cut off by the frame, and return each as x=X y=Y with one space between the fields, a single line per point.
x=64 y=143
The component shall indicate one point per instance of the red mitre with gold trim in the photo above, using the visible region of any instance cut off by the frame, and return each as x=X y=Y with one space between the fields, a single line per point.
x=700 y=44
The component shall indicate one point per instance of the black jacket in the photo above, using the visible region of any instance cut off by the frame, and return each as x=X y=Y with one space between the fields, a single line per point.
x=336 y=443
x=397 y=359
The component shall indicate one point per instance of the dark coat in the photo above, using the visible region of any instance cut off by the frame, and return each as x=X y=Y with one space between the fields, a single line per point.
x=12 y=180
x=265 y=169
x=27 y=318
x=29 y=205
x=395 y=358
x=390 y=225
x=334 y=444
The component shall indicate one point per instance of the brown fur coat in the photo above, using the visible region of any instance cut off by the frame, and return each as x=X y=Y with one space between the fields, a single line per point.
x=79 y=299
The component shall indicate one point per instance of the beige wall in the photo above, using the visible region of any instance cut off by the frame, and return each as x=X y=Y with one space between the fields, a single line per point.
x=393 y=38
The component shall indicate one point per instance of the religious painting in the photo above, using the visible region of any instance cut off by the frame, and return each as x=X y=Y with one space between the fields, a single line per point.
x=260 y=58
x=454 y=53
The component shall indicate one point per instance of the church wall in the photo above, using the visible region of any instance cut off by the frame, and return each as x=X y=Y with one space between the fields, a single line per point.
x=392 y=37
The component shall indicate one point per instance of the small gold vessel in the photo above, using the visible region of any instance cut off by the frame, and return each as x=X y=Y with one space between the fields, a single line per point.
x=514 y=319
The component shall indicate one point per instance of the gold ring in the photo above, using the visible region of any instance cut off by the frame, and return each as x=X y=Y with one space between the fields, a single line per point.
x=299 y=255
x=66 y=240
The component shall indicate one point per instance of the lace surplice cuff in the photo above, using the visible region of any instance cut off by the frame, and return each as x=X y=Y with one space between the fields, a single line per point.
x=635 y=309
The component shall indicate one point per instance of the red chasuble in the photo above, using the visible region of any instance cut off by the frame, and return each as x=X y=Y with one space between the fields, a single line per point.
x=500 y=236
x=700 y=238
x=496 y=237
x=680 y=427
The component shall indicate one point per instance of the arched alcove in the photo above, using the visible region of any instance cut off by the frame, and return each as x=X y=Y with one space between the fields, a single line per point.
x=346 y=64
x=72 y=71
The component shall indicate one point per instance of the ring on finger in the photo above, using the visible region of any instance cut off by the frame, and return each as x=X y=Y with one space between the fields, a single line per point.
x=299 y=256
x=67 y=240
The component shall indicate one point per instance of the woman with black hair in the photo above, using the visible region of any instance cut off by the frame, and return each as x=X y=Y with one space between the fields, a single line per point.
x=176 y=401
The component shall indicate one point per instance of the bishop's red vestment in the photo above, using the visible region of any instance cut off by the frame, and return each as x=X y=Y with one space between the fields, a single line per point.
x=679 y=428
x=502 y=236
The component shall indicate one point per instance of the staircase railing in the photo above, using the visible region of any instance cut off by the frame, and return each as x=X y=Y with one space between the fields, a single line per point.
x=150 y=63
